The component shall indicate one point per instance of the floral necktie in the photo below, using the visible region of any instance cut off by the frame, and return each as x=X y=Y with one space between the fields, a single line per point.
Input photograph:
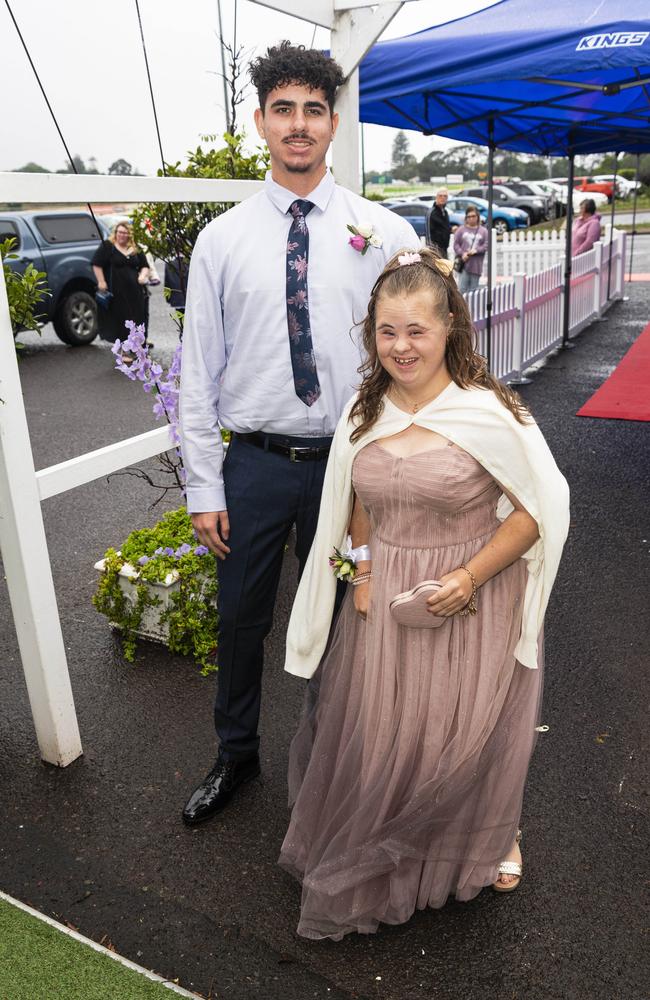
x=305 y=376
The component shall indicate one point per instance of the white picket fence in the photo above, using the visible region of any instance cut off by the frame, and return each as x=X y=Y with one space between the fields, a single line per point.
x=528 y=308
x=529 y=251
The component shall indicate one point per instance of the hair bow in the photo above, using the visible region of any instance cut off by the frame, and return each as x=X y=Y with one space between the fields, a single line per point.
x=408 y=258
x=444 y=266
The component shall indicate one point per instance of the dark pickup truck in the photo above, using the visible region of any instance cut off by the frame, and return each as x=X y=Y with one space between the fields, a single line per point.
x=62 y=244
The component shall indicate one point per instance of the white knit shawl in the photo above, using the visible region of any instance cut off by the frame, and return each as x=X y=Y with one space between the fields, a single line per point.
x=517 y=457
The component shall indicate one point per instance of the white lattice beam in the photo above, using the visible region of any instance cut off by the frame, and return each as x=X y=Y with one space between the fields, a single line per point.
x=69 y=189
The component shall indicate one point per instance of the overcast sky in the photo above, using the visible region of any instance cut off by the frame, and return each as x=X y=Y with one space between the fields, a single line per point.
x=89 y=57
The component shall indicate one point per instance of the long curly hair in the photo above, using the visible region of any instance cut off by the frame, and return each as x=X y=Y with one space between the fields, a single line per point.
x=467 y=368
x=286 y=63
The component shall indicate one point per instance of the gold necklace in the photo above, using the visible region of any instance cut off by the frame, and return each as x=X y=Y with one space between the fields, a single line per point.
x=414 y=407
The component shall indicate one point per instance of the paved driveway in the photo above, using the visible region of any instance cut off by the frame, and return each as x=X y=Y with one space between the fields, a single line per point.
x=100 y=844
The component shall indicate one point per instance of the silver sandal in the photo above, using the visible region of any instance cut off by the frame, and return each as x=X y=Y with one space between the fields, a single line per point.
x=510 y=868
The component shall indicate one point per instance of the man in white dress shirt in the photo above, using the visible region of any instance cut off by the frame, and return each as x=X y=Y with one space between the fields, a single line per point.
x=270 y=350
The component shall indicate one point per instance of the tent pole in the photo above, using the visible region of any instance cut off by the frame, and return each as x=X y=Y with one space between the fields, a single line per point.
x=490 y=195
x=636 y=181
x=567 y=252
x=363 y=164
x=611 y=228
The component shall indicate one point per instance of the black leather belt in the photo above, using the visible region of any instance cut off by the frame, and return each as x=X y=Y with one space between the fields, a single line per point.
x=283 y=446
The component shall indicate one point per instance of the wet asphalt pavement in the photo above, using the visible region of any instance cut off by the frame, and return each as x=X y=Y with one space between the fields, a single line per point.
x=100 y=845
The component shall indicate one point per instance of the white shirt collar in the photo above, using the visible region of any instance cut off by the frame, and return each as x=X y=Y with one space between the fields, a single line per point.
x=282 y=197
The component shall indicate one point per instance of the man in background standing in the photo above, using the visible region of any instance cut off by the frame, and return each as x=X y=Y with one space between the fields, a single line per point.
x=439 y=224
x=276 y=286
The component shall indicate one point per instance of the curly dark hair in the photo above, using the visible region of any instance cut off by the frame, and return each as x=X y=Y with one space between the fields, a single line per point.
x=286 y=63
x=466 y=367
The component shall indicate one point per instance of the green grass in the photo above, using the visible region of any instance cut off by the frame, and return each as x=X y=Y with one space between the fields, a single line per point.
x=37 y=962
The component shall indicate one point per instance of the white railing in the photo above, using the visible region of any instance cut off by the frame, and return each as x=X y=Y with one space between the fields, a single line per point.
x=22 y=488
x=528 y=309
x=527 y=251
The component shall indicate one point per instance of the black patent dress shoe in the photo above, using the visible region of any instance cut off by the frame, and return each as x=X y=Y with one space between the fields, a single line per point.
x=218 y=787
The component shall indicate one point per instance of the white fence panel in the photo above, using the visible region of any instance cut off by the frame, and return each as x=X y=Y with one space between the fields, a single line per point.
x=527 y=309
x=543 y=314
x=527 y=252
x=585 y=273
x=503 y=326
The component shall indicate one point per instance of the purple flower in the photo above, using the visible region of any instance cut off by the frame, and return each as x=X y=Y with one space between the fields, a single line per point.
x=183 y=549
x=143 y=560
x=168 y=551
x=201 y=550
x=358 y=243
x=158 y=552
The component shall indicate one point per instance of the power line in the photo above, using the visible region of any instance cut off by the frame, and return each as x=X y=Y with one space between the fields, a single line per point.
x=49 y=107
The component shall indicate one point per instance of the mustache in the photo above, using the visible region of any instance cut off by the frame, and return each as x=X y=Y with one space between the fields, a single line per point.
x=297 y=135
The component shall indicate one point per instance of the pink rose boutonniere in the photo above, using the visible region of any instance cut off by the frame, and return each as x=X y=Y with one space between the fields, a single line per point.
x=363 y=236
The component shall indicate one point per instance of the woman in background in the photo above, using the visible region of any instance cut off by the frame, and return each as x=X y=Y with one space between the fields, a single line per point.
x=586 y=228
x=470 y=244
x=121 y=268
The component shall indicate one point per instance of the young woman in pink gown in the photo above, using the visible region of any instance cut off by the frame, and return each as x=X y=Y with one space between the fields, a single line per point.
x=407 y=772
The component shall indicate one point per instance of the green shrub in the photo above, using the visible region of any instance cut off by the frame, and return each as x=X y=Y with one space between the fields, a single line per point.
x=24 y=291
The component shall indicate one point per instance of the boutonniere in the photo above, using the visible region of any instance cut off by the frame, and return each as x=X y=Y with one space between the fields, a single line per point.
x=364 y=236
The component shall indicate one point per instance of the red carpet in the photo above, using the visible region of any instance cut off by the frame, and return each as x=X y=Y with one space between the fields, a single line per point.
x=626 y=393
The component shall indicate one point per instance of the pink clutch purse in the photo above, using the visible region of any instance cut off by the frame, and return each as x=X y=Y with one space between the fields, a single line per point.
x=410 y=608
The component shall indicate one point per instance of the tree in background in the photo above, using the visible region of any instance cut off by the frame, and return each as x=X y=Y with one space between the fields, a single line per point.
x=31 y=168
x=401 y=153
x=121 y=167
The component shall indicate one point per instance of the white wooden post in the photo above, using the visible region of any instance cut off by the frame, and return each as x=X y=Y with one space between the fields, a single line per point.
x=493 y=251
x=27 y=566
x=621 y=242
x=354 y=32
x=598 y=247
x=519 y=327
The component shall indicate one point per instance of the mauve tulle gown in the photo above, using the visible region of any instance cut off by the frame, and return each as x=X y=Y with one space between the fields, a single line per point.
x=408 y=768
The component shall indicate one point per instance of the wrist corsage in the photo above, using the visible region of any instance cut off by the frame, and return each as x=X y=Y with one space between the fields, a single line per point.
x=344 y=564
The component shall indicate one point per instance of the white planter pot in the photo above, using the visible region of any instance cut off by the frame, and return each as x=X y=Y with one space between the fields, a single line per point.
x=150 y=626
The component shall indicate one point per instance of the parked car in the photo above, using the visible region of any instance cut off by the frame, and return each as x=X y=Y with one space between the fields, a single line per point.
x=624 y=187
x=561 y=191
x=61 y=244
x=415 y=212
x=504 y=220
x=534 y=190
x=534 y=206
x=590 y=184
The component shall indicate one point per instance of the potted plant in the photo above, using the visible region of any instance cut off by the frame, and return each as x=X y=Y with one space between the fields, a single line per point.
x=161 y=585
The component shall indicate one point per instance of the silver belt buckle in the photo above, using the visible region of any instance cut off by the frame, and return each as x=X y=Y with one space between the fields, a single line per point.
x=293 y=454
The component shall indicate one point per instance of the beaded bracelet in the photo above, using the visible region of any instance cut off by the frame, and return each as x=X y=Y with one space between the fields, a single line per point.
x=361 y=578
x=470 y=608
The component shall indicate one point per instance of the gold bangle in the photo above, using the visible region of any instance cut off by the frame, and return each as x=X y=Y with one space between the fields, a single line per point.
x=470 y=608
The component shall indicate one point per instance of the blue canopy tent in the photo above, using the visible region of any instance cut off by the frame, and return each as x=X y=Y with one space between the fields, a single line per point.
x=551 y=78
